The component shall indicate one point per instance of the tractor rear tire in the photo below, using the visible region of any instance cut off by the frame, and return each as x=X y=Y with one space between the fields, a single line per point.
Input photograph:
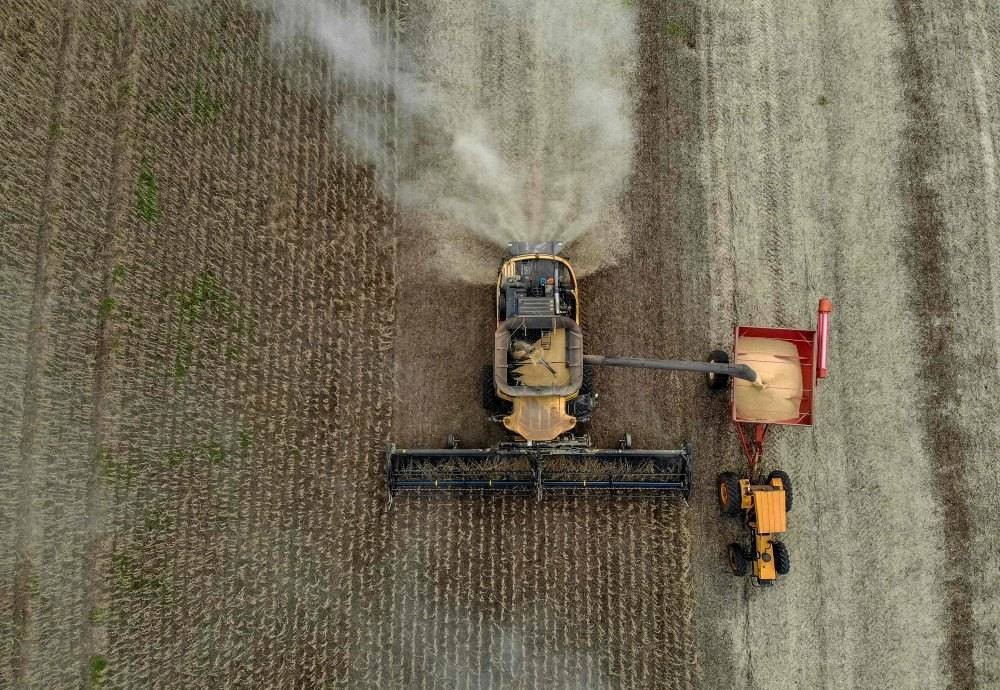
x=717 y=382
x=492 y=403
x=730 y=500
x=737 y=560
x=786 y=481
x=781 y=562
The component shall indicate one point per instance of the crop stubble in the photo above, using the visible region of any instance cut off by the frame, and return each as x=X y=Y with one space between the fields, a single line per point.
x=858 y=132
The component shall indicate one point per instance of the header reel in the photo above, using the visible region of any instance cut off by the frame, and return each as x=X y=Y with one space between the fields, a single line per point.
x=567 y=465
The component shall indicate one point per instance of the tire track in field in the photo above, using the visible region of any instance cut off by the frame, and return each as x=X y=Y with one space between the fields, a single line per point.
x=774 y=162
x=722 y=609
x=94 y=591
x=982 y=28
x=982 y=34
x=932 y=299
x=36 y=349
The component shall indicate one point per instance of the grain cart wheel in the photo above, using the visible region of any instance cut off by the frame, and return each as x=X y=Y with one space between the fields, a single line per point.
x=737 y=560
x=717 y=382
x=729 y=493
x=786 y=483
x=781 y=562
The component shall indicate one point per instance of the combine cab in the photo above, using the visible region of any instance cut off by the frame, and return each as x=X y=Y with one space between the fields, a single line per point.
x=539 y=387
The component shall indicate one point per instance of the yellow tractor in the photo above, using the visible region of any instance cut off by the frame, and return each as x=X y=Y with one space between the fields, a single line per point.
x=764 y=508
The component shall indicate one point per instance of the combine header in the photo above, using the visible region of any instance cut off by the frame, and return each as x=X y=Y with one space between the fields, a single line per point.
x=539 y=387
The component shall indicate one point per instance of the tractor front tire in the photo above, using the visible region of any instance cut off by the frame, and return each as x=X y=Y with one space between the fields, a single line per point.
x=786 y=483
x=781 y=562
x=730 y=500
x=717 y=382
x=737 y=560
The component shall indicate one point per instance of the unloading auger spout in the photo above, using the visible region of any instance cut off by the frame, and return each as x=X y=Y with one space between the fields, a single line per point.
x=736 y=371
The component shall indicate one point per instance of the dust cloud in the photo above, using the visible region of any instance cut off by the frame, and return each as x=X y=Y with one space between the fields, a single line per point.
x=509 y=123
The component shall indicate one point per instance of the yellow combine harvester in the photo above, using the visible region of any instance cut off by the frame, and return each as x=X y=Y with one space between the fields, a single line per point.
x=540 y=388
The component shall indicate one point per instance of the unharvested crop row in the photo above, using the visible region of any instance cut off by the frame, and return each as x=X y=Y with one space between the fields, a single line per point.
x=268 y=287
x=232 y=299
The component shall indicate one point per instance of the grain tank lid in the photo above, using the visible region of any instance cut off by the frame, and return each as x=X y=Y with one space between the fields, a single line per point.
x=518 y=248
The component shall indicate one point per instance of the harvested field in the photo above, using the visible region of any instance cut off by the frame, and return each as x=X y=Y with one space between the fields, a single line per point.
x=848 y=150
x=215 y=314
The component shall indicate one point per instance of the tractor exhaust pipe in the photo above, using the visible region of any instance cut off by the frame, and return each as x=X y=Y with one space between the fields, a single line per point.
x=739 y=371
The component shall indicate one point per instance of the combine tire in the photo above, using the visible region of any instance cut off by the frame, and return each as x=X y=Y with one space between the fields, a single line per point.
x=625 y=442
x=717 y=382
x=787 y=483
x=492 y=403
x=737 y=560
x=729 y=493
x=587 y=386
x=781 y=562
